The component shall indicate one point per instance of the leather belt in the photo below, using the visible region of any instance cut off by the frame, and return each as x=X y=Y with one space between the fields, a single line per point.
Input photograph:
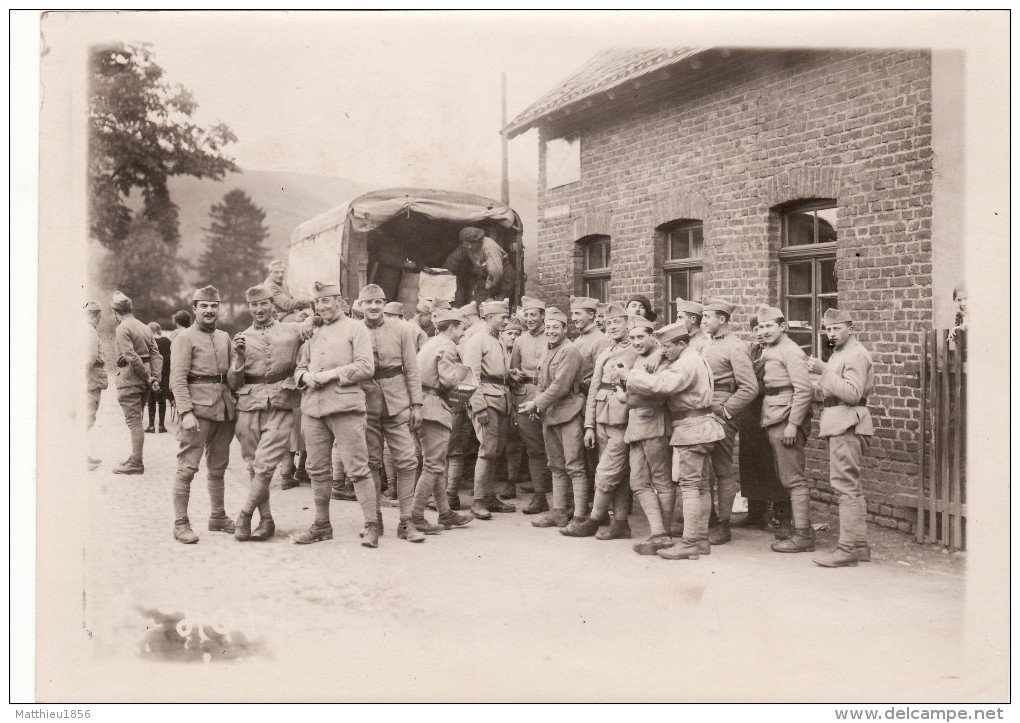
x=207 y=379
x=387 y=372
x=489 y=379
x=121 y=363
x=725 y=387
x=770 y=391
x=607 y=387
x=268 y=378
x=688 y=413
x=834 y=402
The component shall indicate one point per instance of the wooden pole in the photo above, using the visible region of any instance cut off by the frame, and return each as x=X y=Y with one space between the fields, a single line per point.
x=504 y=195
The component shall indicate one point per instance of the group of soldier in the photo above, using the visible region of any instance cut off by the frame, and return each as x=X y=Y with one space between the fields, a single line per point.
x=608 y=407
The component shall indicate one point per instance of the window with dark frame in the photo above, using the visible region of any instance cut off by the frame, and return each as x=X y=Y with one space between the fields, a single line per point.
x=808 y=258
x=595 y=272
x=684 y=243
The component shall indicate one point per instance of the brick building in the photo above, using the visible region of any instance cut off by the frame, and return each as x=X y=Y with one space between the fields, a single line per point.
x=801 y=178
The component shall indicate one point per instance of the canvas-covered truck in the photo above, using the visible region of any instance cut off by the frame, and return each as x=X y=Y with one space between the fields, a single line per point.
x=400 y=238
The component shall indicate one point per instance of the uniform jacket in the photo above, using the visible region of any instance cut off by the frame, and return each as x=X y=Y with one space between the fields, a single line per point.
x=344 y=345
x=428 y=330
x=483 y=354
x=418 y=334
x=486 y=258
x=282 y=300
x=731 y=363
x=269 y=351
x=138 y=358
x=438 y=360
x=527 y=355
x=848 y=377
x=700 y=341
x=687 y=384
x=590 y=343
x=602 y=405
x=196 y=352
x=559 y=384
x=393 y=347
x=96 y=369
x=647 y=415
x=785 y=365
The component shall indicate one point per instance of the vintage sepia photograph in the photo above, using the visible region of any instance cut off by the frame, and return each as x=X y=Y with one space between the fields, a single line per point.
x=531 y=357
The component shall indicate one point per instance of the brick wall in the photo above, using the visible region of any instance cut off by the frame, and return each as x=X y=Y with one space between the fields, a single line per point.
x=739 y=137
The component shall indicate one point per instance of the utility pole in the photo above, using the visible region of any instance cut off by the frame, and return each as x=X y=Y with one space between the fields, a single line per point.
x=505 y=189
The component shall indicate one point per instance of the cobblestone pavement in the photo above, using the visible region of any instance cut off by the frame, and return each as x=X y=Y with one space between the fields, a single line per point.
x=497 y=610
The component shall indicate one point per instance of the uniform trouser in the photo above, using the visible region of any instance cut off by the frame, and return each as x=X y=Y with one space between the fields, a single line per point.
x=650 y=482
x=297 y=439
x=349 y=429
x=462 y=444
x=610 y=472
x=339 y=473
x=92 y=406
x=213 y=439
x=435 y=443
x=534 y=441
x=396 y=431
x=264 y=435
x=132 y=401
x=689 y=468
x=509 y=467
x=846 y=452
x=564 y=445
x=720 y=461
x=156 y=401
x=790 y=467
x=491 y=427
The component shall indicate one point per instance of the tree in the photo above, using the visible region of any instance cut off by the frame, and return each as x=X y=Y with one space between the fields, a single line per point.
x=234 y=257
x=141 y=134
x=146 y=269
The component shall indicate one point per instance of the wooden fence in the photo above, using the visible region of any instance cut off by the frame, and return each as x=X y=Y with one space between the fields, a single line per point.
x=942 y=478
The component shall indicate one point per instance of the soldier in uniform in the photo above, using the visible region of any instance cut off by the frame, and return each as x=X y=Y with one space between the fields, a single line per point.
x=648 y=442
x=200 y=358
x=735 y=386
x=96 y=378
x=482 y=263
x=489 y=405
x=286 y=305
x=605 y=421
x=600 y=317
x=265 y=356
x=846 y=380
x=786 y=416
x=139 y=366
x=590 y=342
x=508 y=470
x=331 y=366
x=560 y=405
x=423 y=317
x=528 y=352
x=438 y=364
x=687 y=382
x=690 y=313
x=393 y=399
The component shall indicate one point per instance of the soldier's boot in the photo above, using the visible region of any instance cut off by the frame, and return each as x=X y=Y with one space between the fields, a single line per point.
x=863 y=552
x=653 y=544
x=318 y=532
x=479 y=510
x=343 y=490
x=454 y=470
x=839 y=557
x=265 y=530
x=553 y=518
x=494 y=504
x=129 y=467
x=581 y=527
x=407 y=531
x=133 y=464
x=508 y=491
x=370 y=536
x=720 y=534
x=455 y=519
x=183 y=532
x=287 y=468
x=861 y=538
x=300 y=473
x=680 y=551
x=539 y=503
x=218 y=520
x=802 y=540
x=619 y=529
x=429 y=528
x=242 y=528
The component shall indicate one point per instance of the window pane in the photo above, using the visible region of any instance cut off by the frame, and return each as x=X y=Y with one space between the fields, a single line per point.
x=803 y=340
x=678 y=285
x=827 y=271
x=605 y=254
x=800 y=228
x=798 y=278
x=697 y=241
x=695 y=286
x=678 y=245
x=798 y=313
x=826 y=224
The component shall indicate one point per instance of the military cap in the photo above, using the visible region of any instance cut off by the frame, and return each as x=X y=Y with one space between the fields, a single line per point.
x=276 y=264
x=528 y=303
x=258 y=293
x=206 y=293
x=372 y=292
x=356 y=311
x=120 y=301
x=719 y=305
x=93 y=306
x=325 y=288
x=471 y=309
x=836 y=316
x=471 y=233
x=515 y=323
x=497 y=307
x=676 y=331
x=554 y=314
x=394 y=307
x=424 y=305
x=450 y=315
x=614 y=311
x=440 y=305
x=583 y=302
x=769 y=313
x=636 y=321
x=689 y=307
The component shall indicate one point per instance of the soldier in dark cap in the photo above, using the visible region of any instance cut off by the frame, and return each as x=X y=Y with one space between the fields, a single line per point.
x=139 y=366
x=200 y=358
x=480 y=261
